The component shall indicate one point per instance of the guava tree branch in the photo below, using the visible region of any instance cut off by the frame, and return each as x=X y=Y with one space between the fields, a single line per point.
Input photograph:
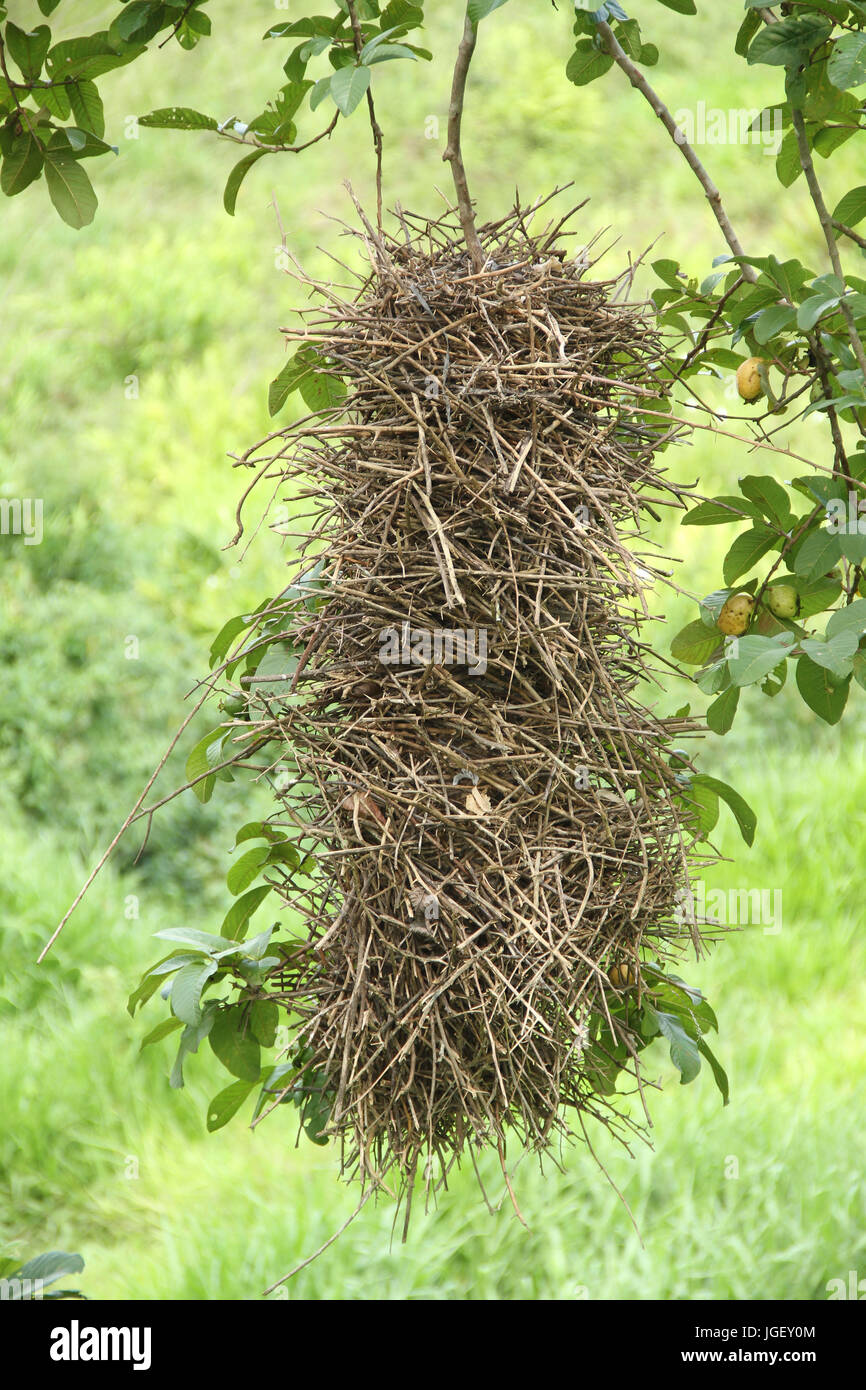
x=826 y=221
x=374 y=124
x=453 y=151
x=849 y=232
x=714 y=197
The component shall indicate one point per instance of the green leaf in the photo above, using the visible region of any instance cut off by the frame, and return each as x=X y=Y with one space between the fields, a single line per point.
x=747 y=550
x=756 y=656
x=850 y=619
x=788 y=166
x=28 y=48
x=236 y=178
x=306 y=28
x=247 y=868
x=480 y=9
x=86 y=105
x=259 y=830
x=206 y=754
x=54 y=99
x=774 y=321
x=681 y=6
x=852 y=208
x=187 y=988
x=820 y=691
x=817 y=555
x=190 y=1038
x=683 y=1049
x=22 y=165
x=238 y=916
x=89 y=56
x=703 y=806
x=136 y=23
x=711 y=679
x=718 y=510
x=587 y=63
x=835 y=655
x=814 y=308
x=180 y=118
x=695 y=643
x=234 y=1045
x=770 y=496
x=747 y=31
x=214 y=946
x=80 y=144
x=50 y=1266
x=48 y=6
x=720 y=714
x=719 y=1074
x=147 y=986
x=174 y=962
x=394 y=51
x=847 y=65
x=743 y=813
x=162 y=1030
x=407 y=14
x=349 y=87
x=255 y=949
x=306 y=371
x=70 y=189
x=789 y=42
x=264 y=1021
x=226 y=1105
x=322 y=390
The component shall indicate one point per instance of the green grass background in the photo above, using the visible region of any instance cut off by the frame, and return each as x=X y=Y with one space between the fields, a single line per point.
x=97 y=1154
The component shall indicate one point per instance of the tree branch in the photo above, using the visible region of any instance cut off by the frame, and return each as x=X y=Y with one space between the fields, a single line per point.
x=453 y=152
x=714 y=197
x=849 y=232
x=827 y=227
x=374 y=124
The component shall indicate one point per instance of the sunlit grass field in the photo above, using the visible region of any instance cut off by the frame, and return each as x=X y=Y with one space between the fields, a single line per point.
x=135 y=357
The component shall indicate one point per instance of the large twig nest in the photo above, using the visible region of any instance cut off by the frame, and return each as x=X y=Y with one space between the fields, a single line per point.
x=495 y=817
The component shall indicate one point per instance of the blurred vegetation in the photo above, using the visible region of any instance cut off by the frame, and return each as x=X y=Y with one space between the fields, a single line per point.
x=136 y=355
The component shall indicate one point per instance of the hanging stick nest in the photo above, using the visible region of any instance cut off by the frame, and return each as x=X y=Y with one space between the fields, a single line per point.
x=499 y=839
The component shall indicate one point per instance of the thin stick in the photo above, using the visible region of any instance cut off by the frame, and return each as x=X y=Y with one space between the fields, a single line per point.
x=827 y=227
x=849 y=232
x=322 y=1248
x=453 y=151
x=714 y=197
x=517 y=1212
x=123 y=829
x=374 y=124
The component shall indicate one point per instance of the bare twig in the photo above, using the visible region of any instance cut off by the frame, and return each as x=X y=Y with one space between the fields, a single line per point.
x=453 y=151
x=374 y=124
x=714 y=197
x=133 y=815
x=849 y=232
x=826 y=221
x=322 y=1248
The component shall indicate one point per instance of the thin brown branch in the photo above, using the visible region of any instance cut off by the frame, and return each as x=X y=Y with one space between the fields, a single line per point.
x=849 y=232
x=827 y=227
x=250 y=138
x=322 y=1248
x=374 y=124
x=714 y=197
x=453 y=151
x=133 y=815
